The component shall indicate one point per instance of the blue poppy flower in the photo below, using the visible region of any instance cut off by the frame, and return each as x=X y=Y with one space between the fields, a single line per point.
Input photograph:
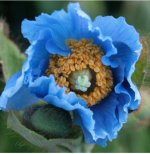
x=48 y=35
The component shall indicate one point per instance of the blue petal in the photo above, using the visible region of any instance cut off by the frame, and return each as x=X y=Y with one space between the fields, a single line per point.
x=127 y=58
x=106 y=45
x=30 y=30
x=79 y=25
x=81 y=22
x=42 y=23
x=121 y=34
x=53 y=27
x=134 y=94
x=37 y=61
x=16 y=95
x=109 y=116
x=126 y=41
x=118 y=30
x=53 y=48
x=120 y=81
x=58 y=28
x=12 y=81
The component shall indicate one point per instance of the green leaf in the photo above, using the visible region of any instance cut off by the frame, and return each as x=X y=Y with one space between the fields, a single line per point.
x=10 y=56
x=51 y=145
x=141 y=70
x=12 y=142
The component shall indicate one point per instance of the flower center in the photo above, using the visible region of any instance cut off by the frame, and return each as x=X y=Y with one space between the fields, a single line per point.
x=82 y=71
x=80 y=80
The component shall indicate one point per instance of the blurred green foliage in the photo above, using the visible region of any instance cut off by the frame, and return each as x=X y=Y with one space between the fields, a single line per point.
x=135 y=135
x=9 y=53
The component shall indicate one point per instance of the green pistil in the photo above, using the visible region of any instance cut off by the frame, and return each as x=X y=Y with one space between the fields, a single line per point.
x=80 y=80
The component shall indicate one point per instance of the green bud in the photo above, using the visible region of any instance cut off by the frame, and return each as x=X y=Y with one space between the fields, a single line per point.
x=49 y=121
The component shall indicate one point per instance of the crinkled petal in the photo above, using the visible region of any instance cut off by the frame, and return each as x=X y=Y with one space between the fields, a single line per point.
x=119 y=31
x=37 y=61
x=127 y=58
x=81 y=22
x=54 y=26
x=134 y=94
x=30 y=30
x=16 y=95
x=44 y=22
x=126 y=40
x=79 y=28
x=58 y=27
x=106 y=45
x=109 y=116
x=53 y=48
x=105 y=117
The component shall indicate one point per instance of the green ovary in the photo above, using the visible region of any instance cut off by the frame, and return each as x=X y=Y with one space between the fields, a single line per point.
x=80 y=80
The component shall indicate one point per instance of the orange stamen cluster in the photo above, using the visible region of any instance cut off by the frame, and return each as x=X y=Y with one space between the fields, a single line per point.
x=83 y=55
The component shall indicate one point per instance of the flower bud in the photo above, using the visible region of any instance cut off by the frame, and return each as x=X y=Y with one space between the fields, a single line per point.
x=48 y=121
